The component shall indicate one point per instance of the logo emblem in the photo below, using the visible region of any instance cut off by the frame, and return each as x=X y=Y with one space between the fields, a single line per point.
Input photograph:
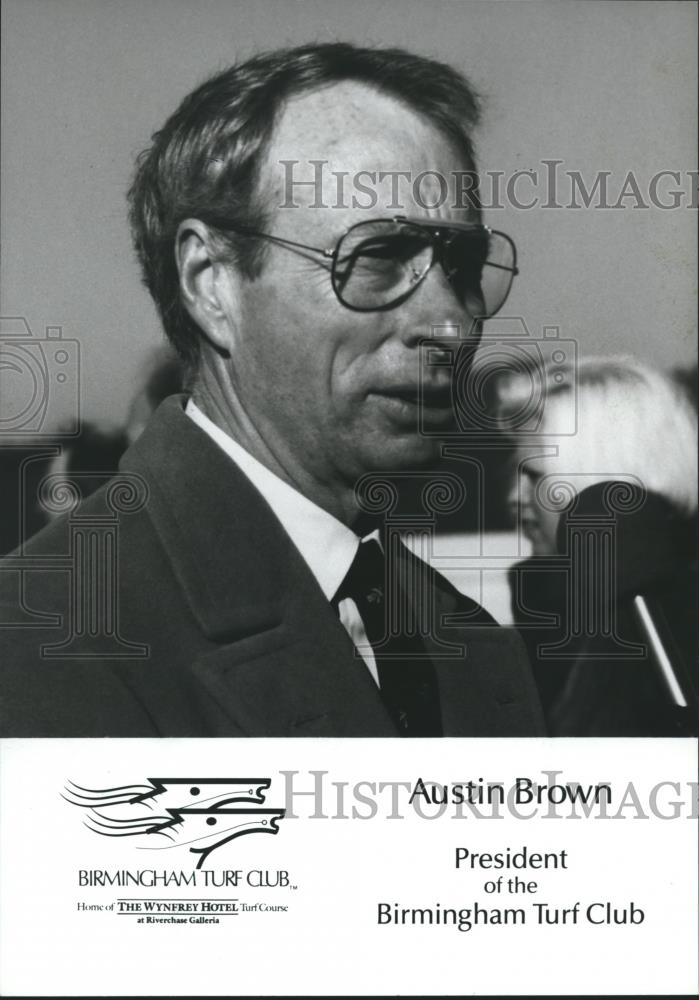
x=188 y=811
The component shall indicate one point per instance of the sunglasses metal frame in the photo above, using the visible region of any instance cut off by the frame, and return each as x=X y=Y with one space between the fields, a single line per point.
x=439 y=233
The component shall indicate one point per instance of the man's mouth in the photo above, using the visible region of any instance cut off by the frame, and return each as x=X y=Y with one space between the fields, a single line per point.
x=415 y=403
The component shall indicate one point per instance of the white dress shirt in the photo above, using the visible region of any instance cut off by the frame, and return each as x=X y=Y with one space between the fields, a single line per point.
x=327 y=545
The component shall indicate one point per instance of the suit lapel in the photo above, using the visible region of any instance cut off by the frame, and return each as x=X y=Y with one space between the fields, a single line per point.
x=276 y=660
x=485 y=687
x=490 y=692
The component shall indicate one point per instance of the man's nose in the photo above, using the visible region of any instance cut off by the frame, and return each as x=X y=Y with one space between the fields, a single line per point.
x=435 y=311
x=522 y=492
x=513 y=493
x=517 y=500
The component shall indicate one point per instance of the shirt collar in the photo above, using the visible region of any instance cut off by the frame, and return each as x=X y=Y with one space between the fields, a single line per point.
x=327 y=545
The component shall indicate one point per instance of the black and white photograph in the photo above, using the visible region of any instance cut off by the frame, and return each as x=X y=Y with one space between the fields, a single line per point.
x=348 y=391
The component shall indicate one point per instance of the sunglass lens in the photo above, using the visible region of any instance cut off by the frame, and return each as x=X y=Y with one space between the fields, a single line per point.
x=378 y=263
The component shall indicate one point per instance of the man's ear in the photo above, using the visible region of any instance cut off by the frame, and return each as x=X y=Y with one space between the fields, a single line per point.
x=206 y=285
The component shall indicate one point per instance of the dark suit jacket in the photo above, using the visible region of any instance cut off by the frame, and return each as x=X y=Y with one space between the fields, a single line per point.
x=238 y=638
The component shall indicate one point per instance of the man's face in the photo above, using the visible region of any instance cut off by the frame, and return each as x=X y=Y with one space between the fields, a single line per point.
x=536 y=520
x=332 y=393
x=547 y=482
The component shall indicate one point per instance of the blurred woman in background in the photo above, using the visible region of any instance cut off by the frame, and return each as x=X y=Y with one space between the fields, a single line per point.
x=611 y=420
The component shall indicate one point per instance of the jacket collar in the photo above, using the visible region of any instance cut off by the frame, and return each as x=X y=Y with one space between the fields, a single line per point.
x=327 y=545
x=211 y=522
x=282 y=663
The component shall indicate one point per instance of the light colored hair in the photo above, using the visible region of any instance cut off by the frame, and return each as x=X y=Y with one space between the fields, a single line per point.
x=632 y=420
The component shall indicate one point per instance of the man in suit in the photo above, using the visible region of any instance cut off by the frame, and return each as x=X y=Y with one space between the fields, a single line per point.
x=247 y=590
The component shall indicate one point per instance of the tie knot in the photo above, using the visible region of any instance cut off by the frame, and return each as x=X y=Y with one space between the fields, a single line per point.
x=365 y=580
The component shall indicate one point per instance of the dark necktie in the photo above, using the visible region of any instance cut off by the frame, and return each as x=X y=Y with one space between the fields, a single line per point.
x=407 y=677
